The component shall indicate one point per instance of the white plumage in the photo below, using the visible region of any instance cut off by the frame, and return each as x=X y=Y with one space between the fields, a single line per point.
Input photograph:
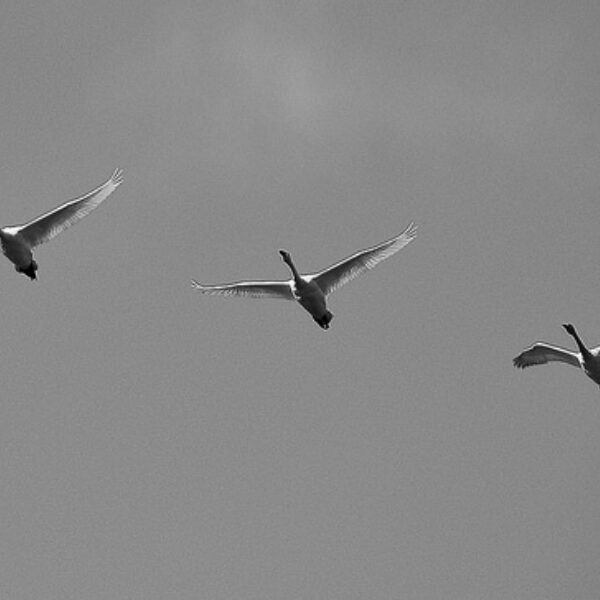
x=18 y=241
x=311 y=290
x=541 y=353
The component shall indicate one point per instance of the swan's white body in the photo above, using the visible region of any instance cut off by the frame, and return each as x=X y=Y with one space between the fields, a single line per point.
x=541 y=353
x=19 y=241
x=311 y=290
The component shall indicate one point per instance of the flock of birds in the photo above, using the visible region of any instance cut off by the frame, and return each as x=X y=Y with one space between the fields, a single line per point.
x=309 y=290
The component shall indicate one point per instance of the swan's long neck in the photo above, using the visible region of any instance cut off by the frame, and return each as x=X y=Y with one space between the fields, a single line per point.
x=584 y=351
x=292 y=266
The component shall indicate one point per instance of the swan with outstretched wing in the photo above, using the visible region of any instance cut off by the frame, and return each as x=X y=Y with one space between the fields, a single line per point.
x=18 y=241
x=311 y=290
x=541 y=353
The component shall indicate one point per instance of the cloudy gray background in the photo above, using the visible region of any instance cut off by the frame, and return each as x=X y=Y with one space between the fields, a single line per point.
x=156 y=443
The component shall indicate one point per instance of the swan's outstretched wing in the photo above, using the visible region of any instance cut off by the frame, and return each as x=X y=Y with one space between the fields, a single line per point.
x=47 y=226
x=337 y=275
x=541 y=353
x=248 y=289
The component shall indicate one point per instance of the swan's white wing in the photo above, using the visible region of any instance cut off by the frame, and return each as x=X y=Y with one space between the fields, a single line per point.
x=346 y=270
x=541 y=353
x=47 y=226
x=248 y=289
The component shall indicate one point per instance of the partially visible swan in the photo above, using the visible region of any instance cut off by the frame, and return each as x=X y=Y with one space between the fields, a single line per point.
x=541 y=353
x=312 y=290
x=18 y=241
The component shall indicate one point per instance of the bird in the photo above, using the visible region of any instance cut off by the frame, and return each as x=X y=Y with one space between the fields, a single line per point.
x=18 y=241
x=541 y=353
x=311 y=290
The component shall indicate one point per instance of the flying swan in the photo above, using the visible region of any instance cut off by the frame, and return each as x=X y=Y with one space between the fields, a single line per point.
x=18 y=241
x=312 y=290
x=541 y=353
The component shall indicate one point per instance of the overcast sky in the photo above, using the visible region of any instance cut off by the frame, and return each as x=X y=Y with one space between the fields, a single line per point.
x=156 y=443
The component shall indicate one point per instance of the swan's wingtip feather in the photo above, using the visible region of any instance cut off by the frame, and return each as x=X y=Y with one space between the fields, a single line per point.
x=519 y=363
x=197 y=286
x=411 y=230
x=117 y=176
x=206 y=289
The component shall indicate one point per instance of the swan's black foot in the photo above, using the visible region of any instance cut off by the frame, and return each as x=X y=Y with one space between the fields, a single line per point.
x=29 y=270
x=569 y=328
x=324 y=320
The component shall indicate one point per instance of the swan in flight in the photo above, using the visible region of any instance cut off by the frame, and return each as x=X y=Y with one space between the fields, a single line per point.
x=18 y=241
x=312 y=290
x=541 y=353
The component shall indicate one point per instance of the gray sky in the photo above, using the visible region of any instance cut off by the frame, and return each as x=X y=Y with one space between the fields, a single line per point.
x=156 y=443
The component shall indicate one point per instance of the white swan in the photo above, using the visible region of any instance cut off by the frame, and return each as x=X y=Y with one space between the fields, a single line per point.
x=18 y=241
x=312 y=290
x=541 y=353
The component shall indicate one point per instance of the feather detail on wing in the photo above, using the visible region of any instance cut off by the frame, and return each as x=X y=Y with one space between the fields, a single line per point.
x=542 y=353
x=49 y=225
x=337 y=275
x=248 y=289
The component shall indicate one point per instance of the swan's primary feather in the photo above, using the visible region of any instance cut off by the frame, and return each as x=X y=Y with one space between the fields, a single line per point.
x=542 y=353
x=337 y=275
x=248 y=289
x=44 y=228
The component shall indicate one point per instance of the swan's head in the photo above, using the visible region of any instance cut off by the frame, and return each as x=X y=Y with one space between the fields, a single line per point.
x=285 y=256
x=569 y=328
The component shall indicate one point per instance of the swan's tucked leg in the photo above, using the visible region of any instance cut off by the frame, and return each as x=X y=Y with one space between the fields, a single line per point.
x=29 y=270
x=324 y=320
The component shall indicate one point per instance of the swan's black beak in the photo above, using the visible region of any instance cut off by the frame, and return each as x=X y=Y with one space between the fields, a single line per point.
x=285 y=255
